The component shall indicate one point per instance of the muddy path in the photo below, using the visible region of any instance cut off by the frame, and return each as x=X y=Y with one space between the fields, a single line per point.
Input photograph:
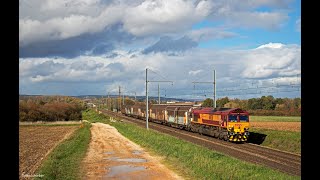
x=112 y=156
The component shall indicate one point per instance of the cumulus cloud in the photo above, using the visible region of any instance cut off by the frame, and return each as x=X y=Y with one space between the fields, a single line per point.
x=81 y=17
x=245 y=13
x=273 y=59
x=59 y=28
x=49 y=20
x=167 y=16
x=98 y=42
x=231 y=66
x=266 y=20
x=95 y=44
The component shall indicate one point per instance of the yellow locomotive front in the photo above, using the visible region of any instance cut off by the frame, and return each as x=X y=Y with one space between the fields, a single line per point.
x=238 y=126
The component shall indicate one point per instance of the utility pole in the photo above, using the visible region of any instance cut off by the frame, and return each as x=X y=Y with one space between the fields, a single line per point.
x=135 y=96
x=147 y=107
x=123 y=99
x=214 y=87
x=159 y=93
x=108 y=102
x=119 y=101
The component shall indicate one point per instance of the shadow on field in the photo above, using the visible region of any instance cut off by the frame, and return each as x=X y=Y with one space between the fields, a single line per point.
x=256 y=138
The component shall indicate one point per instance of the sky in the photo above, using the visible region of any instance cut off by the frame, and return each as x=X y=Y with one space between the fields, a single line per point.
x=91 y=47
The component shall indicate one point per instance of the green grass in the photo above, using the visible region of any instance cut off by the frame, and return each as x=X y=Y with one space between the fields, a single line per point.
x=190 y=160
x=282 y=140
x=275 y=118
x=64 y=161
x=92 y=116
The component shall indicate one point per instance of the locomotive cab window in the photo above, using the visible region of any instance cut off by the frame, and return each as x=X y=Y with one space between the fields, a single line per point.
x=233 y=118
x=243 y=118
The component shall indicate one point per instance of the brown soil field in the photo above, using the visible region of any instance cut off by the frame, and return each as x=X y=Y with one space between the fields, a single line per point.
x=45 y=122
x=35 y=143
x=112 y=156
x=283 y=126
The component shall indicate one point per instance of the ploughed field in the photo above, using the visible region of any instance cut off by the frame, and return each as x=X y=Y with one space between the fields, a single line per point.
x=282 y=126
x=36 y=142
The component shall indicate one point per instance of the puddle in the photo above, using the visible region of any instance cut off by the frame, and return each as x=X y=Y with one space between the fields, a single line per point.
x=111 y=158
x=135 y=160
x=109 y=152
x=116 y=170
x=136 y=152
x=132 y=160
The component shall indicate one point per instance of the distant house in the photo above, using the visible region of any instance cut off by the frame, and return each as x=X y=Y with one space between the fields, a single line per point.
x=171 y=102
x=91 y=105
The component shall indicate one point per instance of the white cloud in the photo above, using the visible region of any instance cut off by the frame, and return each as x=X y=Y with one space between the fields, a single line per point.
x=272 y=59
x=166 y=16
x=266 y=20
x=91 y=28
x=245 y=14
x=129 y=71
x=58 y=28
x=58 y=20
x=195 y=72
x=271 y=45
x=64 y=19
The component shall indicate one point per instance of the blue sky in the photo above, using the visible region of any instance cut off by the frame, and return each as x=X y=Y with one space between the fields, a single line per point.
x=70 y=47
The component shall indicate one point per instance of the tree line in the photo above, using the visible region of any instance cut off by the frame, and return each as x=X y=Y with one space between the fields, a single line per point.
x=265 y=105
x=50 y=108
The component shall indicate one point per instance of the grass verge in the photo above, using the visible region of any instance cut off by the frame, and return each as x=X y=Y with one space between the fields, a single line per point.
x=275 y=118
x=282 y=140
x=65 y=160
x=192 y=161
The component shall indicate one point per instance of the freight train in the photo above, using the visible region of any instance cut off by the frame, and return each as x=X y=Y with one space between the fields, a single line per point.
x=229 y=124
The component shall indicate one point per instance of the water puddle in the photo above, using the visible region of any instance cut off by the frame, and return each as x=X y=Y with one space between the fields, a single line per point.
x=132 y=160
x=111 y=158
x=136 y=152
x=109 y=152
x=116 y=170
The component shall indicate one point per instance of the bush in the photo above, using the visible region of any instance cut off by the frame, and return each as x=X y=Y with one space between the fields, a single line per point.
x=50 y=109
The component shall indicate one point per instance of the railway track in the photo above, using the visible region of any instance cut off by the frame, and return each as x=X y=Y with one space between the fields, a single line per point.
x=279 y=160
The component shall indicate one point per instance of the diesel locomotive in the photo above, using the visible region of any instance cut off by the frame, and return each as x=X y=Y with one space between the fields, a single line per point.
x=229 y=124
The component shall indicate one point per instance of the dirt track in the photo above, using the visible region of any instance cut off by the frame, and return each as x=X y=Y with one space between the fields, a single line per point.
x=283 y=126
x=112 y=156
